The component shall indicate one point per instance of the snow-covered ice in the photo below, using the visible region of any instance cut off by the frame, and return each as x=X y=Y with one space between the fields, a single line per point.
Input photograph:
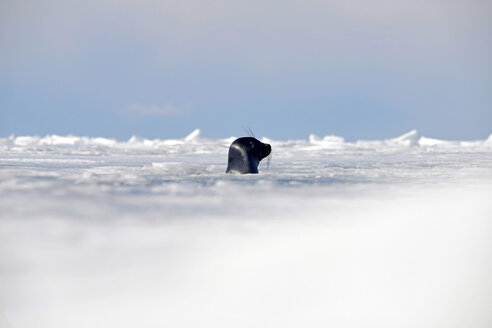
x=96 y=232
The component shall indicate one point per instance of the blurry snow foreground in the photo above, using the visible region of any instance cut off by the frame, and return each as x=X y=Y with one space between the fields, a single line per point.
x=151 y=233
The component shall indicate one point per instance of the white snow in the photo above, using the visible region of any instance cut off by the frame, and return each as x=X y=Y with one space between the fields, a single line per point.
x=96 y=232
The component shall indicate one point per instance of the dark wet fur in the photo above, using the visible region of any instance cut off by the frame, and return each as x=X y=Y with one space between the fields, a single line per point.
x=245 y=154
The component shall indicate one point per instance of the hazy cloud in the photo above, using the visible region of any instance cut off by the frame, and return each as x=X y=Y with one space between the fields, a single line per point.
x=155 y=110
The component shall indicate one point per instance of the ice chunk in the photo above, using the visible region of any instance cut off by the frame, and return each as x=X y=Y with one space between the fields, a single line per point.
x=423 y=141
x=329 y=141
x=26 y=140
x=193 y=136
x=408 y=139
x=60 y=140
x=103 y=141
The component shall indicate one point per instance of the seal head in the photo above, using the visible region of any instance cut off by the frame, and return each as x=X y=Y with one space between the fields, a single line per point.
x=245 y=154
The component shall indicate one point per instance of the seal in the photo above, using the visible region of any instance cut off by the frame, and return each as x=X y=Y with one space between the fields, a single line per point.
x=245 y=154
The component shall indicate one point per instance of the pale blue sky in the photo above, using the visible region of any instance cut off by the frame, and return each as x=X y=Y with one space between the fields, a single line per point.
x=159 y=69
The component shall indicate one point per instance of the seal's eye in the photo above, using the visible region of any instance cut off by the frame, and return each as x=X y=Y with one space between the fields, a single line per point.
x=252 y=144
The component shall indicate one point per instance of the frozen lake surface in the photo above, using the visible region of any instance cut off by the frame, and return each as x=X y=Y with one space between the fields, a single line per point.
x=152 y=233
